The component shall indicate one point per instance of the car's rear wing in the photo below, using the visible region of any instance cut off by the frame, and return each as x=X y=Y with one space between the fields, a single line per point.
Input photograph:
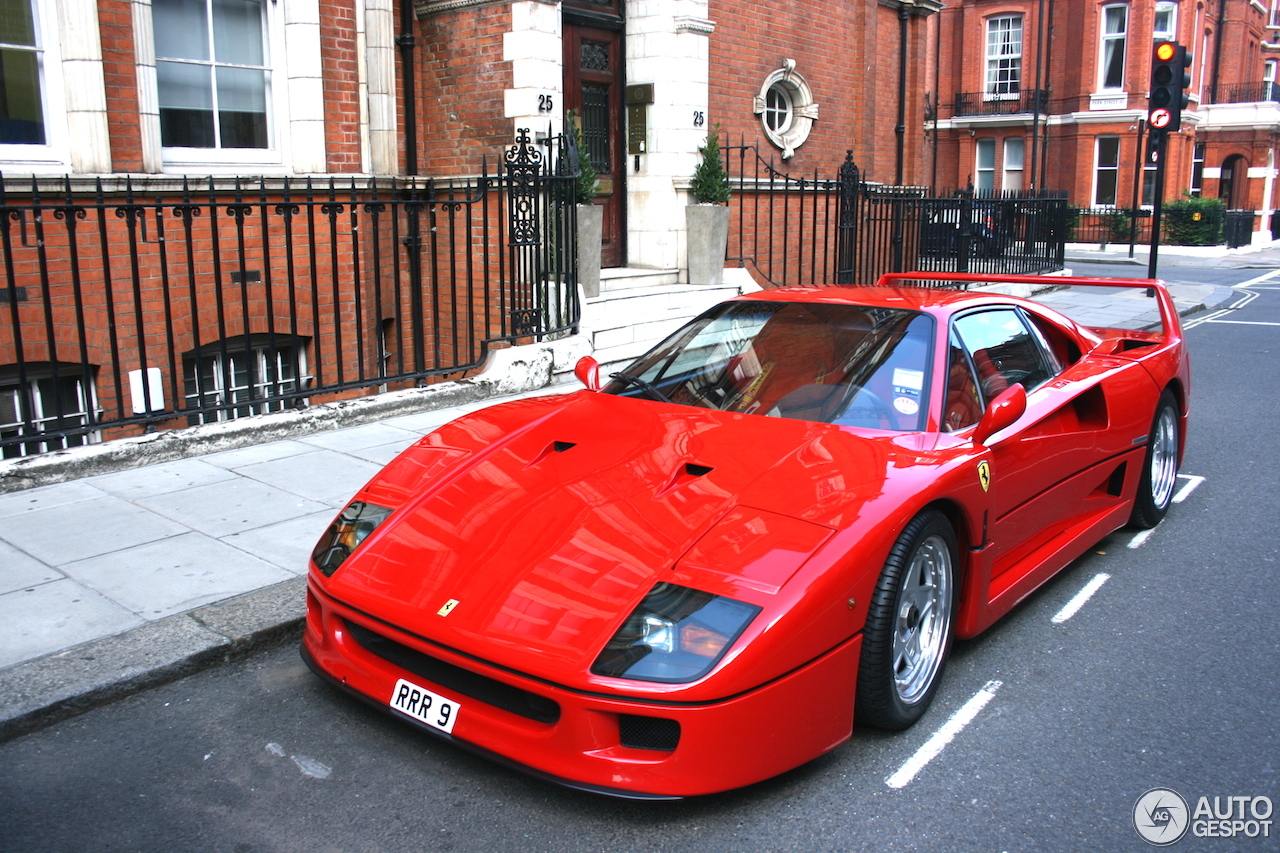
x=1055 y=297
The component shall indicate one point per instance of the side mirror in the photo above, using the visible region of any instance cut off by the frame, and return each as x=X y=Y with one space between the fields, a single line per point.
x=1003 y=412
x=588 y=372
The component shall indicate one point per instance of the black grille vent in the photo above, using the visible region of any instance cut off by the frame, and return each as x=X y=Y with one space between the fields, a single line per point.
x=464 y=681
x=649 y=732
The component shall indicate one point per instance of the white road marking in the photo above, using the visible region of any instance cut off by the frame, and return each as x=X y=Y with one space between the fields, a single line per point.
x=1212 y=316
x=1266 y=276
x=943 y=736
x=1081 y=597
x=1140 y=538
x=1193 y=480
x=1243 y=323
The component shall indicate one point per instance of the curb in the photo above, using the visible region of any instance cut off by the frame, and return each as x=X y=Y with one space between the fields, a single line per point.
x=47 y=690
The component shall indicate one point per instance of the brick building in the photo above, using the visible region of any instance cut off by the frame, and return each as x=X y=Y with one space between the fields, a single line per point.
x=1051 y=93
x=114 y=109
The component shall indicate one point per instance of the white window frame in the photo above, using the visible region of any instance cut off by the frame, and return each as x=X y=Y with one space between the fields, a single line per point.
x=54 y=155
x=86 y=402
x=1099 y=169
x=1000 y=56
x=247 y=396
x=1106 y=39
x=1014 y=163
x=270 y=160
x=984 y=165
x=1169 y=33
x=1195 y=186
x=786 y=108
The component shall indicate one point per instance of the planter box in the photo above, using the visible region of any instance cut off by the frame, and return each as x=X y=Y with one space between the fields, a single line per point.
x=590 y=223
x=708 y=239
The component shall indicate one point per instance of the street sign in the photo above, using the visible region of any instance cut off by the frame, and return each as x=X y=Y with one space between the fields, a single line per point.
x=1160 y=118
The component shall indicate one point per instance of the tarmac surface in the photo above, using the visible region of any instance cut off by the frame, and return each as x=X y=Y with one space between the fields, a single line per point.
x=120 y=581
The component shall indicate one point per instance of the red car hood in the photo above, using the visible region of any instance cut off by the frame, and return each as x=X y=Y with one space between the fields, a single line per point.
x=547 y=521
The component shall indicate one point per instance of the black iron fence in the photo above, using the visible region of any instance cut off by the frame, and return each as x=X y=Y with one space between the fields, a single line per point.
x=1241 y=93
x=128 y=307
x=1000 y=103
x=807 y=230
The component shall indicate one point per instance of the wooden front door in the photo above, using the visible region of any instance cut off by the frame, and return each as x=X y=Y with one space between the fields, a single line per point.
x=593 y=60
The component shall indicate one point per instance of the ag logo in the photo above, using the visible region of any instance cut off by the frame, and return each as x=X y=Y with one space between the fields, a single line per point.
x=984 y=475
x=1160 y=816
x=448 y=607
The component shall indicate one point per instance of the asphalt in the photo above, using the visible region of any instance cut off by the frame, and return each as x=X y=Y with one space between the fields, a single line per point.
x=115 y=582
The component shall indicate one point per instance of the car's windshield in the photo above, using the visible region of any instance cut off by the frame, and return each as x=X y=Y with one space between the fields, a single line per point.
x=843 y=364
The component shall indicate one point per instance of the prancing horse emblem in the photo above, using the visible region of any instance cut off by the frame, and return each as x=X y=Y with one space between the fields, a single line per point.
x=453 y=602
x=984 y=475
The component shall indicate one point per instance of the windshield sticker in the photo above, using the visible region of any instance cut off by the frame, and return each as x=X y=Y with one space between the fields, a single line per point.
x=906 y=405
x=908 y=379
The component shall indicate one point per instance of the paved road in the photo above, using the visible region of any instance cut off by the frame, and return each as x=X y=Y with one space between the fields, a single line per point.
x=1165 y=677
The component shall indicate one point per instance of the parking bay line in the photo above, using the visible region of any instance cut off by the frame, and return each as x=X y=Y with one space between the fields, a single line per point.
x=943 y=736
x=1139 y=539
x=1081 y=598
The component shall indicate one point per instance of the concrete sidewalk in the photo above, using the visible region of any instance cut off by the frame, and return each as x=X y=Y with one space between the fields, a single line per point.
x=113 y=583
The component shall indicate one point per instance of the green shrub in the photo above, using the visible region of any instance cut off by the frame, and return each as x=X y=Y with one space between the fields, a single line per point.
x=710 y=180
x=1192 y=221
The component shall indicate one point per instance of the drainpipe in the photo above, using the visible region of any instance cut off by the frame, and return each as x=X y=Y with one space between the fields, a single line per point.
x=406 y=42
x=1035 y=97
x=1217 y=49
x=901 y=130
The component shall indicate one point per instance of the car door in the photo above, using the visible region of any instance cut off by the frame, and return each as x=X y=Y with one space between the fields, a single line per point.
x=1039 y=467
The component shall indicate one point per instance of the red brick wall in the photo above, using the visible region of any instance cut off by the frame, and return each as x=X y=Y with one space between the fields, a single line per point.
x=115 y=22
x=460 y=81
x=849 y=57
x=341 y=85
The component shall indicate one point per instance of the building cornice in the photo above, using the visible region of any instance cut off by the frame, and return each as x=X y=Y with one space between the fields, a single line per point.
x=918 y=8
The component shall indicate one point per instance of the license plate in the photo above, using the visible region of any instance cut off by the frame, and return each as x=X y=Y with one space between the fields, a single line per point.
x=421 y=704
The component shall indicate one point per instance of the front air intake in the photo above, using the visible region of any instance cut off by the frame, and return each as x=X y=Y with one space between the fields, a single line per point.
x=649 y=732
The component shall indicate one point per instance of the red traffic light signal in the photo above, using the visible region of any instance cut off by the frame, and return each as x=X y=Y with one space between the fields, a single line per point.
x=1169 y=79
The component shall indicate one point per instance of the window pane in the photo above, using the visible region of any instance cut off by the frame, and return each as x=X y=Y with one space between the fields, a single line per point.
x=986 y=153
x=21 y=111
x=1013 y=153
x=16 y=23
x=1114 y=47
x=1108 y=152
x=237 y=31
x=186 y=105
x=242 y=107
x=181 y=28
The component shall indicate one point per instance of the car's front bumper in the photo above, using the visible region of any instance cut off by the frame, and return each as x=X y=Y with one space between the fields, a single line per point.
x=721 y=745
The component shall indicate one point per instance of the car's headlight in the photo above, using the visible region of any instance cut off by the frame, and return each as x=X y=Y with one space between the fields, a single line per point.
x=676 y=634
x=352 y=526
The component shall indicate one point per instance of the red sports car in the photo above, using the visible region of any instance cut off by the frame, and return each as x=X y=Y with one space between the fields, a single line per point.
x=767 y=528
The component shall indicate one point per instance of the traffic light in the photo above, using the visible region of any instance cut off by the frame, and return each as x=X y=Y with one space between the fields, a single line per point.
x=1169 y=77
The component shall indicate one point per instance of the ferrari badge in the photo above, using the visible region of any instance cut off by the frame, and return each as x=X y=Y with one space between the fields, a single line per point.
x=984 y=475
x=453 y=602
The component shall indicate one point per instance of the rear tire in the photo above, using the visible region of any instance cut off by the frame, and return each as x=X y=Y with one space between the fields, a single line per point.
x=909 y=625
x=1160 y=467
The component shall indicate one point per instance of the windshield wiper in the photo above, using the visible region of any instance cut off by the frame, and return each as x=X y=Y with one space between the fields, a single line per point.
x=643 y=385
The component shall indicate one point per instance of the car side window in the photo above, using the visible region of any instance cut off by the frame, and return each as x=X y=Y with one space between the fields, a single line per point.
x=963 y=402
x=1004 y=351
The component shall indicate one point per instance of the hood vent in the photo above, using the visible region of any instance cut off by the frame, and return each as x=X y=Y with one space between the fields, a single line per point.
x=686 y=473
x=553 y=447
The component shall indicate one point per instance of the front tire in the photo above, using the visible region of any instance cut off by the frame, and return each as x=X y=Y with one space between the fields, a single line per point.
x=909 y=625
x=1160 y=467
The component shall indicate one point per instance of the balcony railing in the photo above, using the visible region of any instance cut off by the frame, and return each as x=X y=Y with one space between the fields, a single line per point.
x=1001 y=103
x=1241 y=93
